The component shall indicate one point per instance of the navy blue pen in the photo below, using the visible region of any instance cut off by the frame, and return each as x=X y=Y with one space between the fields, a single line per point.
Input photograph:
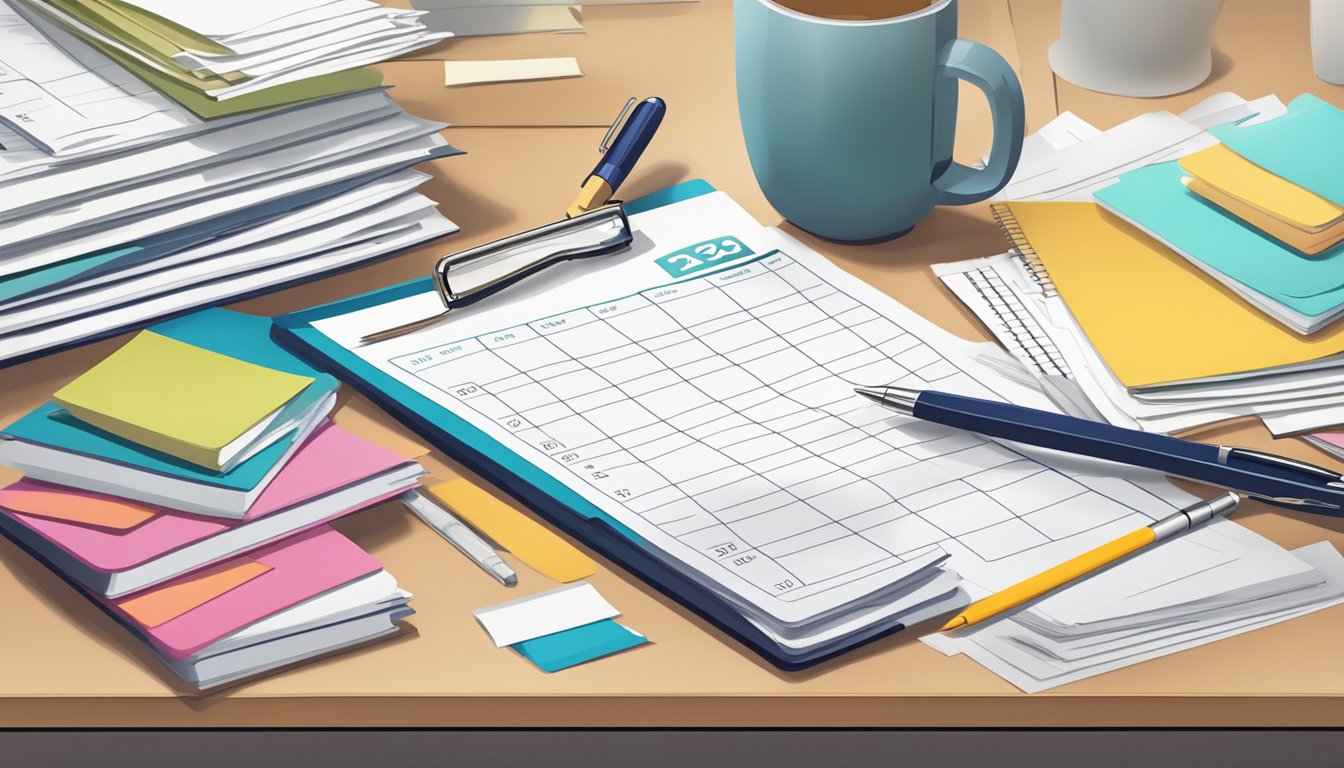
x=1275 y=479
x=619 y=156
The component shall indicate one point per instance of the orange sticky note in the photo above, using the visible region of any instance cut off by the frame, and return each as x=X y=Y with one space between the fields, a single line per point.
x=527 y=539
x=165 y=603
x=30 y=498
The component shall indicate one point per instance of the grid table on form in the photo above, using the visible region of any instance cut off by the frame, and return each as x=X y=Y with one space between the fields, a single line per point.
x=720 y=410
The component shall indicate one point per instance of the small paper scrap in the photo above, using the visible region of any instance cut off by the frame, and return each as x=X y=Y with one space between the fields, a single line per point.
x=457 y=73
x=561 y=650
x=544 y=613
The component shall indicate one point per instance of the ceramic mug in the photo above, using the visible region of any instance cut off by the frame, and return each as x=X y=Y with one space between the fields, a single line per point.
x=849 y=122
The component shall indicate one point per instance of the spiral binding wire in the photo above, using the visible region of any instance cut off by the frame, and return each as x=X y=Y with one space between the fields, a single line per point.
x=1013 y=231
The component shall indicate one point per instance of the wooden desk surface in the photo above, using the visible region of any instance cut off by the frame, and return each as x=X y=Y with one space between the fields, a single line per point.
x=63 y=664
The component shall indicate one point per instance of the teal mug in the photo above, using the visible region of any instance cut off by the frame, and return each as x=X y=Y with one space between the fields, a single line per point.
x=849 y=123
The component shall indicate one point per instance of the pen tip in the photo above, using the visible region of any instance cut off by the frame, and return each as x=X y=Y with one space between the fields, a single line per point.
x=870 y=393
x=956 y=623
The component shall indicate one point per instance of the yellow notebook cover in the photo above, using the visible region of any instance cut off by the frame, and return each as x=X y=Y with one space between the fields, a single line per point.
x=1308 y=243
x=1225 y=170
x=1152 y=316
x=177 y=398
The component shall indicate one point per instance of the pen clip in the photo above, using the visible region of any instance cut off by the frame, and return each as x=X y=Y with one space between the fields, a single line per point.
x=605 y=144
x=1332 y=479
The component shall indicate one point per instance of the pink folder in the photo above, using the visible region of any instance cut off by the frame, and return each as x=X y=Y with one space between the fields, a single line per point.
x=301 y=567
x=331 y=459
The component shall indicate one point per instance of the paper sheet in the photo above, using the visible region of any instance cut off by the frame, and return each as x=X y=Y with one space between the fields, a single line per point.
x=509 y=70
x=504 y=20
x=544 y=613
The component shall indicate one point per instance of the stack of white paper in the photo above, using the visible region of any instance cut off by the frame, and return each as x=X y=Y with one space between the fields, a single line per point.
x=1037 y=649
x=1069 y=160
x=265 y=43
x=117 y=205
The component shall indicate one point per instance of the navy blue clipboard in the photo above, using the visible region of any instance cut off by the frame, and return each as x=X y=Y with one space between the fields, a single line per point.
x=543 y=494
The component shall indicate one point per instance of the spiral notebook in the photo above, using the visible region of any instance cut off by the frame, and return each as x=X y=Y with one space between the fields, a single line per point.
x=1152 y=316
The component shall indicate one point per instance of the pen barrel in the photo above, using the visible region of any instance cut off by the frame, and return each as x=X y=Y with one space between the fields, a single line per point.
x=1066 y=572
x=1169 y=455
x=631 y=141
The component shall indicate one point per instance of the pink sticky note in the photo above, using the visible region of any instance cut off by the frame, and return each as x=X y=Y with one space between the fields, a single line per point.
x=301 y=567
x=331 y=459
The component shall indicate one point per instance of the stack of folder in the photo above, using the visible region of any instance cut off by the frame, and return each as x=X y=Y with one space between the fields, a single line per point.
x=1151 y=306
x=185 y=485
x=159 y=156
x=1263 y=213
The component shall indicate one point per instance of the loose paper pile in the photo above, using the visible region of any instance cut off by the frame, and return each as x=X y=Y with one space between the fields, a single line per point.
x=1118 y=327
x=128 y=197
x=224 y=574
x=1034 y=650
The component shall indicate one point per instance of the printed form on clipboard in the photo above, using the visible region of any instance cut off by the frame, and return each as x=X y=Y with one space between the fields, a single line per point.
x=698 y=389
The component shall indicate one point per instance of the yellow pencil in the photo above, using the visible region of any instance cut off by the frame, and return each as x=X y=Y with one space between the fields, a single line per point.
x=1047 y=581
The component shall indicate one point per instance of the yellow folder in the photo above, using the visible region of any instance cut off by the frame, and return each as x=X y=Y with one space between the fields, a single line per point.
x=1152 y=316
x=1235 y=176
x=178 y=399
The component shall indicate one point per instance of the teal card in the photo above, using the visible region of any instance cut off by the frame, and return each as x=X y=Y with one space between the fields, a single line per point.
x=1154 y=199
x=1302 y=146
x=560 y=650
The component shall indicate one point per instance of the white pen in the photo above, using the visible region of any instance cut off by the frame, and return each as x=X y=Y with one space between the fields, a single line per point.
x=459 y=535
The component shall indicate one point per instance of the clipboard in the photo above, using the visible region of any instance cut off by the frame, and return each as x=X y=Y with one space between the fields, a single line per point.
x=538 y=491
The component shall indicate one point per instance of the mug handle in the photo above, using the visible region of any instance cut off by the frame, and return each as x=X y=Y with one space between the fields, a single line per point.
x=984 y=68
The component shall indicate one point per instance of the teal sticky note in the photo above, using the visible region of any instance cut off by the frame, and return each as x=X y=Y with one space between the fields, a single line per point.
x=560 y=650
x=1302 y=146
x=1154 y=199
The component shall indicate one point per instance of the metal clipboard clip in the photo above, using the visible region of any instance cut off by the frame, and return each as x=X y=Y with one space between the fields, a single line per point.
x=463 y=278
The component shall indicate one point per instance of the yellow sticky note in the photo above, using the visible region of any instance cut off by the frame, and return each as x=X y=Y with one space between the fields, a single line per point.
x=177 y=398
x=1311 y=243
x=163 y=604
x=527 y=539
x=1153 y=316
x=1234 y=175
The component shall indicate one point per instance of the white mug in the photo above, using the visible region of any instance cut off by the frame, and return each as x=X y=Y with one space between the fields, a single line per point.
x=1327 y=40
x=1135 y=47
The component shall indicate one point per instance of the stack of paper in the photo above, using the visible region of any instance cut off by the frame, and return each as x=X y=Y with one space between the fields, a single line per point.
x=1330 y=442
x=276 y=51
x=1036 y=649
x=120 y=205
x=219 y=570
x=1117 y=326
